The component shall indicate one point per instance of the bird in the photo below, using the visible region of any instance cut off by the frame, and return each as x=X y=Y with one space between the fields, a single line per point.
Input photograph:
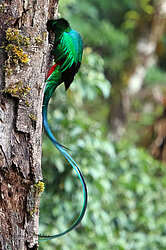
x=67 y=54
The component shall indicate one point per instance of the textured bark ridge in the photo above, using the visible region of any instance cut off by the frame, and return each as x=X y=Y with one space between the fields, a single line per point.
x=22 y=75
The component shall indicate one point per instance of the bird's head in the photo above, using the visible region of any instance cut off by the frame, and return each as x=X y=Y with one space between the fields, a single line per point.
x=58 y=26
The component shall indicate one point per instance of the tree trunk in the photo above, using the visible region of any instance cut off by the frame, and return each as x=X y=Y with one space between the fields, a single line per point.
x=147 y=46
x=23 y=65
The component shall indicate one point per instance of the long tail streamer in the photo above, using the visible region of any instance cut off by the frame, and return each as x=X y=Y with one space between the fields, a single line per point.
x=75 y=167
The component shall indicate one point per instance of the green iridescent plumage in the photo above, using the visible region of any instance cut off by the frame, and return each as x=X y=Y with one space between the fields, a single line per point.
x=68 y=49
x=67 y=52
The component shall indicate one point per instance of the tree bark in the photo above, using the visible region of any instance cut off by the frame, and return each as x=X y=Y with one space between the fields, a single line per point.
x=146 y=47
x=22 y=84
x=146 y=57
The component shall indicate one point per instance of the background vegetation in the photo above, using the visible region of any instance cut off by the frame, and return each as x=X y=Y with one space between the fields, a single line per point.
x=112 y=134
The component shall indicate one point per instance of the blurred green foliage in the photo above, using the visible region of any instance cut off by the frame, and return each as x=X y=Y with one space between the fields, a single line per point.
x=155 y=75
x=126 y=186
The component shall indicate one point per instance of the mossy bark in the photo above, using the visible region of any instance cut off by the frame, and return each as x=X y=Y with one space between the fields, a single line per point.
x=21 y=119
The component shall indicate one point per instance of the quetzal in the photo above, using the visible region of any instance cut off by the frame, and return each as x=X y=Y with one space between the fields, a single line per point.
x=67 y=52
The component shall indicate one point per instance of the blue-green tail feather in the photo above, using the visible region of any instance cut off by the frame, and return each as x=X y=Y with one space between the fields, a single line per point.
x=80 y=175
x=52 y=82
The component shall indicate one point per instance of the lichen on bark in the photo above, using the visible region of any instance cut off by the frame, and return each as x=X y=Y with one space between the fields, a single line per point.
x=20 y=117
